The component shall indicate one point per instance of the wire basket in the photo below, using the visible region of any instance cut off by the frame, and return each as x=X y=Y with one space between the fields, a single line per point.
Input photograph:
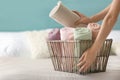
x=65 y=55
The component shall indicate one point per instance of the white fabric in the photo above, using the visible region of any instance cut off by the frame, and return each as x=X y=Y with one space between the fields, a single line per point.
x=20 y=44
x=33 y=42
x=116 y=48
x=37 y=43
x=24 y=44
x=115 y=35
x=42 y=69
x=14 y=44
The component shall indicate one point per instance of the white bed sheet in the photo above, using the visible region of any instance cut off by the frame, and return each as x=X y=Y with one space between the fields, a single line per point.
x=42 y=69
x=115 y=35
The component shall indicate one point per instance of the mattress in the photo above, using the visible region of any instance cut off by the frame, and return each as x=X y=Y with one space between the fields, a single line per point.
x=114 y=34
x=14 y=68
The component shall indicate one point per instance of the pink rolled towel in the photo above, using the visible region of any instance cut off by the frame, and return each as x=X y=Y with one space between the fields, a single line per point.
x=66 y=33
x=67 y=48
x=94 y=27
x=54 y=34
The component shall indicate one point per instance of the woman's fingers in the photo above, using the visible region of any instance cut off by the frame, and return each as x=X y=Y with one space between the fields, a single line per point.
x=80 y=15
x=82 y=57
x=83 y=19
x=77 y=22
x=81 y=63
x=81 y=60
x=83 y=68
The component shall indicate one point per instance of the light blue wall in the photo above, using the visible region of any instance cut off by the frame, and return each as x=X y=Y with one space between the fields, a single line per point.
x=22 y=15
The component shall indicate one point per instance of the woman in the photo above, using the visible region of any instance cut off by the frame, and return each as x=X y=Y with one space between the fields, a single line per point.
x=109 y=16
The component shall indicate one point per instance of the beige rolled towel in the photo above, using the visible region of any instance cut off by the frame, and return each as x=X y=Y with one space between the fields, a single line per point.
x=64 y=16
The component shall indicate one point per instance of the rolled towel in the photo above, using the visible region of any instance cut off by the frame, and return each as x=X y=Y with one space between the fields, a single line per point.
x=66 y=33
x=54 y=34
x=67 y=48
x=94 y=27
x=80 y=34
x=64 y=16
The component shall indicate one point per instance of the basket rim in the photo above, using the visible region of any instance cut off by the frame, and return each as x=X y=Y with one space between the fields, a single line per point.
x=75 y=40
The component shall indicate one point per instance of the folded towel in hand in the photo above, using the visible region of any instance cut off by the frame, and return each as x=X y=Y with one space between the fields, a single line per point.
x=64 y=16
x=66 y=33
x=94 y=27
x=54 y=34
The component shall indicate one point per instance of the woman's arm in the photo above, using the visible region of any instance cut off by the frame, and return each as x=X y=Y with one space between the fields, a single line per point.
x=100 y=15
x=108 y=23
x=110 y=19
x=85 y=20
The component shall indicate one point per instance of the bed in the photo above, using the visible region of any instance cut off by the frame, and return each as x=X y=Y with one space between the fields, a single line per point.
x=20 y=60
x=12 y=68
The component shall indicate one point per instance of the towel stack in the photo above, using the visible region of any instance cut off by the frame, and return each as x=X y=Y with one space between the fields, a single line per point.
x=80 y=33
x=67 y=18
x=72 y=49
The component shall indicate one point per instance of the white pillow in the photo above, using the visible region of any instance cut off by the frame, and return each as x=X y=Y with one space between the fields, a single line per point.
x=115 y=35
x=37 y=42
x=116 y=48
x=14 y=44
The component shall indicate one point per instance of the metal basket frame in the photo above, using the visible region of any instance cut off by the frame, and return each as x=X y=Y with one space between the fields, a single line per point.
x=65 y=55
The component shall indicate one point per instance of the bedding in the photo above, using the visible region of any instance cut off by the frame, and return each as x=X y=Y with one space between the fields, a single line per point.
x=23 y=44
x=116 y=48
x=37 y=43
x=12 y=68
x=14 y=44
x=115 y=35
x=16 y=62
x=29 y=44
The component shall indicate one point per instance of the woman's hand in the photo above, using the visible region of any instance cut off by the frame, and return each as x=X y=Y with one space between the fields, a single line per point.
x=83 y=19
x=86 y=60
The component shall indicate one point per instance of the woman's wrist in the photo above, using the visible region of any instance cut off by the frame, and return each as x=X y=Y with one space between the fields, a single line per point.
x=90 y=20
x=87 y=20
x=93 y=19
